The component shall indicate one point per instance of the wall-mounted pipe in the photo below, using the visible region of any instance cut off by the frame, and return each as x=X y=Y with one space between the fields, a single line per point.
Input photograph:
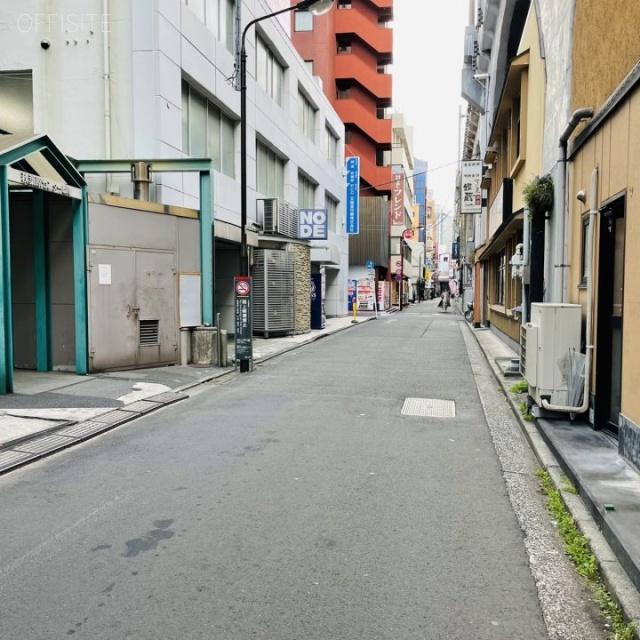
x=561 y=253
x=593 y=216
x=142 y=177
x=106 y=79
x=526 y=241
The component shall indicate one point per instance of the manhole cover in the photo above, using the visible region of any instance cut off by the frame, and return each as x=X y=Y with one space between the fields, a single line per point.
x=429 y=407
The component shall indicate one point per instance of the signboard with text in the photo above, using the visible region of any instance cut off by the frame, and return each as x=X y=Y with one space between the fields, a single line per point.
x=243 y=318
x=470 y=189
x=397 y=199
x=313 y=224
x=353 y=195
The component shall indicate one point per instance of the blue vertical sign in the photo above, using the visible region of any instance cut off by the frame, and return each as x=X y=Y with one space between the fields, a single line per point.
x=353 y=195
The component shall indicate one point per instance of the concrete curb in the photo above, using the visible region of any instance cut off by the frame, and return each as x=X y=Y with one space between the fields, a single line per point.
x=23 y=451
x=269 y=356
x=615 y=578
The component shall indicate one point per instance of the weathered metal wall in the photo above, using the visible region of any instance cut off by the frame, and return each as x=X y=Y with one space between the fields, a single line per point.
x=134 y=261
x=372 y=243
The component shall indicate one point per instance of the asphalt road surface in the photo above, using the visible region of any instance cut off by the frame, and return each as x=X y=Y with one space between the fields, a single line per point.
x=295 y=502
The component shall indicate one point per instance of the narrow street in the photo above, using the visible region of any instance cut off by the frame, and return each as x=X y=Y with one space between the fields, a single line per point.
x=298 y=502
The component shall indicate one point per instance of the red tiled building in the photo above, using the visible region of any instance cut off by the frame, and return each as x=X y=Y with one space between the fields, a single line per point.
x=351 y=49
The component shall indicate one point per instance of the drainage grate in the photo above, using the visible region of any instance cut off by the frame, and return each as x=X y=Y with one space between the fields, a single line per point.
x=9 y=459
x=141 y=406
x=44 y=445
x=83 y=429
x=168 y=397
x=429 y=407
x=113 y=417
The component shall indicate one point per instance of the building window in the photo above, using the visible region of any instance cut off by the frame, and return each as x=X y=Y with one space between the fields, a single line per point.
x=332 y=147
x=230 y=25
x=383 y=157
x=331 y=205
x=218 y=16
x=16 y=102
x=343 y=46
x=515 y=132
x=344 y=4
x=306 y=117
x=309 y=65
x=500 y=264
x=206 y=131
x=306 y=193
x=343 y=91
x=303 y=21
x=270 y=172
x=269 y=72
x=197 y=6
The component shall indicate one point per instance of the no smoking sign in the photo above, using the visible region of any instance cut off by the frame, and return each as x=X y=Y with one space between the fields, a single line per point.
x=243 y=287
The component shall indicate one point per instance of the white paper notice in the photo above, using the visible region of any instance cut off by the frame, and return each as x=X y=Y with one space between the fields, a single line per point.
x=104 y=274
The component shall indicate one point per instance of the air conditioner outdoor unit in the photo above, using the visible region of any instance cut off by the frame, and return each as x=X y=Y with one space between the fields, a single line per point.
x=277 y=216
x=545 y=345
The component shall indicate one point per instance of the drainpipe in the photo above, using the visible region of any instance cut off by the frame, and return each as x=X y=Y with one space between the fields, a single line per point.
x=593 y=215
x=106 y=81
x=561 y=248
x=106 y=78
x=526 y=240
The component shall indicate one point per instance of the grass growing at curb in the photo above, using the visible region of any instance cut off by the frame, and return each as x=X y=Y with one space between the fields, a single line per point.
x=524 y=410
x=522 y=386
x=577 y=547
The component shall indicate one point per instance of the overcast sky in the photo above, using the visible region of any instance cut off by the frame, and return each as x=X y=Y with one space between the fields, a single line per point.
x=428 y=43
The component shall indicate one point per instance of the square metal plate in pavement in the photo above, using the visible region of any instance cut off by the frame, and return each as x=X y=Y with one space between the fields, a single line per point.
x=429 y=407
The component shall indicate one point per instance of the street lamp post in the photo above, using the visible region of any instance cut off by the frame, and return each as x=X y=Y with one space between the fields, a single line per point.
x=316 y=7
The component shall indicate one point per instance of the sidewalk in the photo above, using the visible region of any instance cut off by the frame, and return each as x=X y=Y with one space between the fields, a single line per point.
x=590 y=460
x=54 y=410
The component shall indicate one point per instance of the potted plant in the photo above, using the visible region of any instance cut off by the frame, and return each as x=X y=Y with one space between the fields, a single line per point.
x=538 y=195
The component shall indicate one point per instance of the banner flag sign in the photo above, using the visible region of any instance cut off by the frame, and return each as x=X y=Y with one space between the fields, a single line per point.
x=353 y=195
x=471 y=192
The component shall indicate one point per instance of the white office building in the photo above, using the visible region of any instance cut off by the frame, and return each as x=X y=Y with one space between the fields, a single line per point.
x=157 y=79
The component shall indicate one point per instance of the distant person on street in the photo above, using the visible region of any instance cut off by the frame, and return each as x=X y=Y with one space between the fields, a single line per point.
x=445 y=301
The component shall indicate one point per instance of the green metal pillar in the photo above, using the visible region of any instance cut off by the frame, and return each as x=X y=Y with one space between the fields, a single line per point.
x=6 y=313
x=80 y=216
x=42 y=292
x=206 y=246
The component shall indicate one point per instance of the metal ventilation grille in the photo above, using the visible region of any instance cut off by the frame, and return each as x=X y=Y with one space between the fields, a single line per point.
x=274 y=292
x=149 y=332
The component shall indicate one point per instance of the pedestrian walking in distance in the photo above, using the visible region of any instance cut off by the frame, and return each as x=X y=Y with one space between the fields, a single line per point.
x=445 y=301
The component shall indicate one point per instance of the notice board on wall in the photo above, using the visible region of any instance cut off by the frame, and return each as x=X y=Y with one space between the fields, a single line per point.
x=190 y=299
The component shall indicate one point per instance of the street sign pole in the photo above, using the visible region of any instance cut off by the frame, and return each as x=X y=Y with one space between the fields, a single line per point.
x=244 y=324
x=371 y=275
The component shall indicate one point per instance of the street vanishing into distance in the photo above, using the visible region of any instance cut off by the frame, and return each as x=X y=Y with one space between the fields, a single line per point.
x=298 y=502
